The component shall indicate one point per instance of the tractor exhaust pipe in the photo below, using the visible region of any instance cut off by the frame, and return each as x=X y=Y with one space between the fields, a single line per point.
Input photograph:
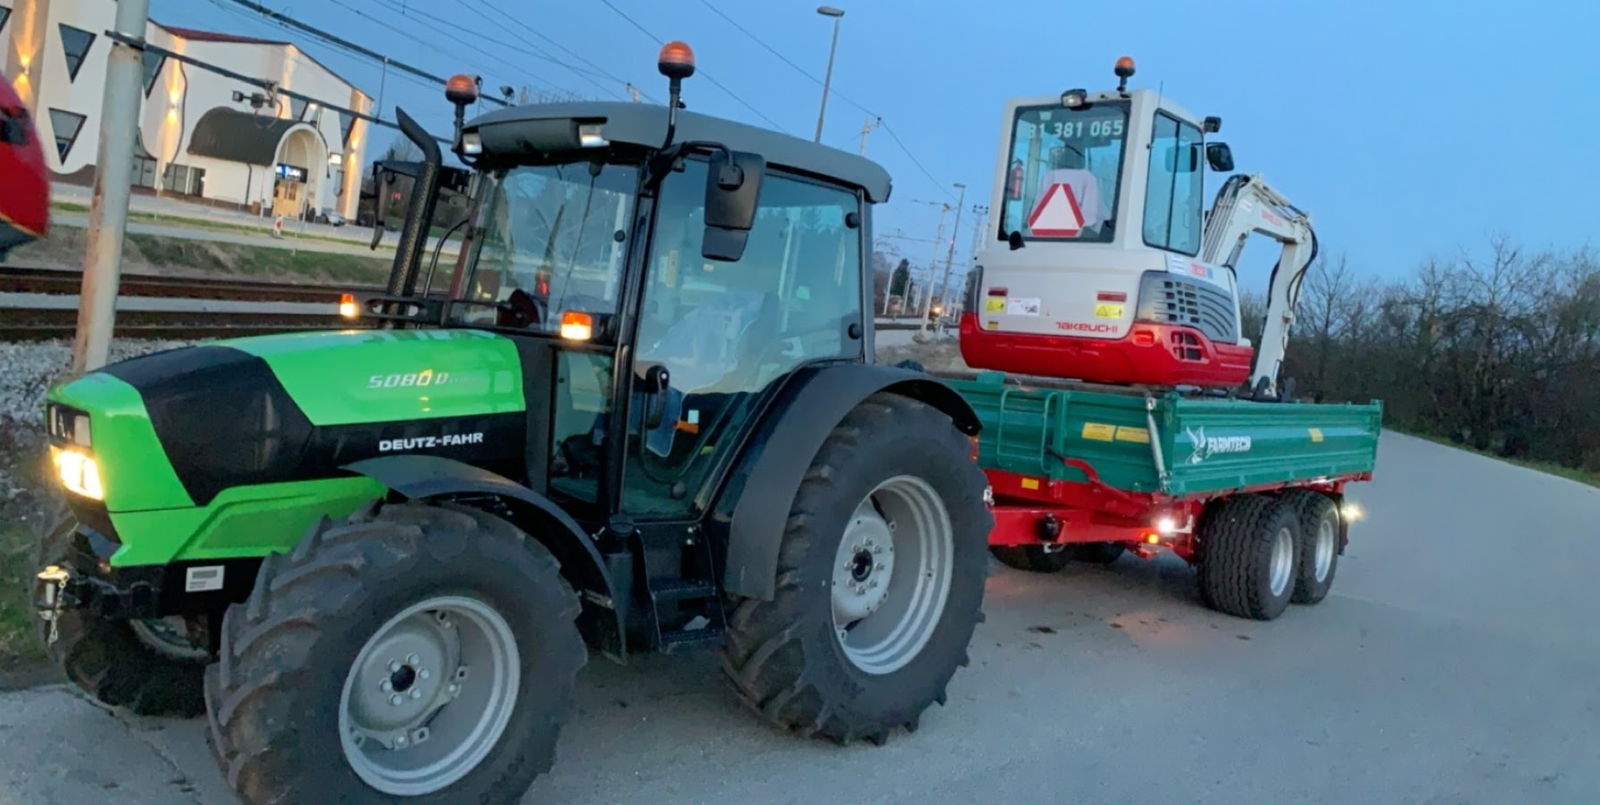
x=419 y=210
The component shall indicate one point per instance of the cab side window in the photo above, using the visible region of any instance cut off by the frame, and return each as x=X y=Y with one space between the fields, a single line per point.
x=1173 y=192
x=726 y=331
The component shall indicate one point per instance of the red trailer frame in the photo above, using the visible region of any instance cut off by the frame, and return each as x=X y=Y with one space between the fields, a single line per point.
x=1029 y=510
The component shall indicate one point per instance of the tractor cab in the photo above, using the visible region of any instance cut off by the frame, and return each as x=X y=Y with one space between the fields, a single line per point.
x=659 y=271
x=1093 y=270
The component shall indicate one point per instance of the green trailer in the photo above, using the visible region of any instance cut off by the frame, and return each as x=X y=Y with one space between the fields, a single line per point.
x=1251 y=492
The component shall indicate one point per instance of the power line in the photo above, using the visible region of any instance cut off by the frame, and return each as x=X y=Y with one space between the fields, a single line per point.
x=718 y=84
x=405 y=11
x=598 y=70
x=340 y=42
x=835 y=93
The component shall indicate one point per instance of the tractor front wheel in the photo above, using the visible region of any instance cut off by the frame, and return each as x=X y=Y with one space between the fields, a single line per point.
x=424 y=651
x=879 y=582
x=153 y=667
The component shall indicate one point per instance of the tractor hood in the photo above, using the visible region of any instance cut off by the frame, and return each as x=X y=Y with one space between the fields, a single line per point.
x=177 y=429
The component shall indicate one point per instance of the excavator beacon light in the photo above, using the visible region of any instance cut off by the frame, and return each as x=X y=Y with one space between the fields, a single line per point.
x=1074 y=98
x=1124 y=71
x=676 y=60
x=461 y=89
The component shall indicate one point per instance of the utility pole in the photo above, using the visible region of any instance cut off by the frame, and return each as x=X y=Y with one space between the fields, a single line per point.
x=827 y=78
x=866 y=128
x=933 y=265
x=950 y=257
x=113 y=176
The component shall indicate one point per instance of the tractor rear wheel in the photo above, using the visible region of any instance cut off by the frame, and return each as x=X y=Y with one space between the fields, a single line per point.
x=879 y=582
x=1319 y=554
x=1033 y=558
x=153 y=668
x=421 y=651
x=1248 y=549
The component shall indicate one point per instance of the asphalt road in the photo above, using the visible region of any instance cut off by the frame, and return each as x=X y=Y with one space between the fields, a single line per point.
x=1456 y=661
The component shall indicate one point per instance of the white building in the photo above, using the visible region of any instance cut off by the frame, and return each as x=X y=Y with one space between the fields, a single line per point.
x=200 y=136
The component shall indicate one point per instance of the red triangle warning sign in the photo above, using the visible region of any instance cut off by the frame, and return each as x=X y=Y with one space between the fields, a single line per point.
x=1057 y=214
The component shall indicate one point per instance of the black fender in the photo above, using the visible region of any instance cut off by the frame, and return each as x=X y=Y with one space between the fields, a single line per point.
x=762 y=486
x=420 y=477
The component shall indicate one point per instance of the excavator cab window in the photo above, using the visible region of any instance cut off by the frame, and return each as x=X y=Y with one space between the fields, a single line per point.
x=1065 y=168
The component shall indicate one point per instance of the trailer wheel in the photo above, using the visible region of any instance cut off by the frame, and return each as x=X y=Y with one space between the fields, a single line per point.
x=422 y=651
x=1319 y=554
x=879 y=582
x=1033 y=558
x=152 y=668
x=1247 y=556
x=1099 y=553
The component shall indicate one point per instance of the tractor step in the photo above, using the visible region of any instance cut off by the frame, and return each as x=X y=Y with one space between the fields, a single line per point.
x=682 y=590
x=696 y=638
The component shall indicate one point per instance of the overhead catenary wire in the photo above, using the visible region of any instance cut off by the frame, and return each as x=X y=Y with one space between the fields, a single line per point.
x=597 y=70
x=345 y=44
x=714 y=82
x=515 y=69
x=884 y=123
x=265 y=84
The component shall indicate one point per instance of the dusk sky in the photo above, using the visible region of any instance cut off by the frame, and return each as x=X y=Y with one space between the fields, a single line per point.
x=1408 y=130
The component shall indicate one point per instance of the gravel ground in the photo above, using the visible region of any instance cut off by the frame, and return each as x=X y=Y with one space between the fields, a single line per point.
x=28 y=503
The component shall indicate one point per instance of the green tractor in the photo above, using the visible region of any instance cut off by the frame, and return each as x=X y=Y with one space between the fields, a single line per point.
x=644 y=417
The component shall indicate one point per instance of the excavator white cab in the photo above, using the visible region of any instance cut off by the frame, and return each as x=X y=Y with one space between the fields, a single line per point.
x=1103 y=266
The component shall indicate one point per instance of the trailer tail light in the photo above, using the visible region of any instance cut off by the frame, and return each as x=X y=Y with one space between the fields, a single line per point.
x=1144 y=338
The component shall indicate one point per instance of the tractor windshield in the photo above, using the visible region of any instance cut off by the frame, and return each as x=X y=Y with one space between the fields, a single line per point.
x=1061 y=179
x=553 y=241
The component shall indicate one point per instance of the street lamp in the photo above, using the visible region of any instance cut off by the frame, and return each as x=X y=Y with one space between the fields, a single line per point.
x=827 y=78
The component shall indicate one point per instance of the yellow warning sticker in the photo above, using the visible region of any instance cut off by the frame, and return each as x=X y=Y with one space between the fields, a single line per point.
x=1316 y=434
x=1030 y=483
x=991 y=325
x=995 y=304
x=1099 y=431
x=1127 y=434
x=1107 y=311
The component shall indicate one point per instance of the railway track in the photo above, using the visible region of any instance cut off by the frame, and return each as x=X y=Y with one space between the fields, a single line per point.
x=39 y=303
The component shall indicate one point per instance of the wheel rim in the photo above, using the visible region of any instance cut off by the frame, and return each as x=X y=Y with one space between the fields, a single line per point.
x=1282 y=562
x=429 y=695
x=170 y=638
x=1324 y=548
x=891 y=575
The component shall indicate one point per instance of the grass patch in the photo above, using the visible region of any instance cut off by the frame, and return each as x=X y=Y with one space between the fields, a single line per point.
x=232 y=258
x=1582 y=476
x=16 y=611
x=67 y=206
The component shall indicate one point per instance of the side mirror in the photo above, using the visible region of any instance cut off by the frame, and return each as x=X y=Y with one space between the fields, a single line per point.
x=1212 y=124
x=1219 y=156
x=382 y=179
x=733 y=192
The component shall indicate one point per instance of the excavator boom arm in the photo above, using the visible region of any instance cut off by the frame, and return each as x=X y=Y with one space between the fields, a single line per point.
x=1245 y=206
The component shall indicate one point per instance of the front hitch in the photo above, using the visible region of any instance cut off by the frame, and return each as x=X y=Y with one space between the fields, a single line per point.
x=52 y=598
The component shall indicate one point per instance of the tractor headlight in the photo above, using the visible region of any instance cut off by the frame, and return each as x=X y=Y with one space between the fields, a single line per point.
x=79 y=472
x=69 y=430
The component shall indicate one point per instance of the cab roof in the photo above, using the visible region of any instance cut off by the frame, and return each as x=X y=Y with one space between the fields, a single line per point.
x=645 y=125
